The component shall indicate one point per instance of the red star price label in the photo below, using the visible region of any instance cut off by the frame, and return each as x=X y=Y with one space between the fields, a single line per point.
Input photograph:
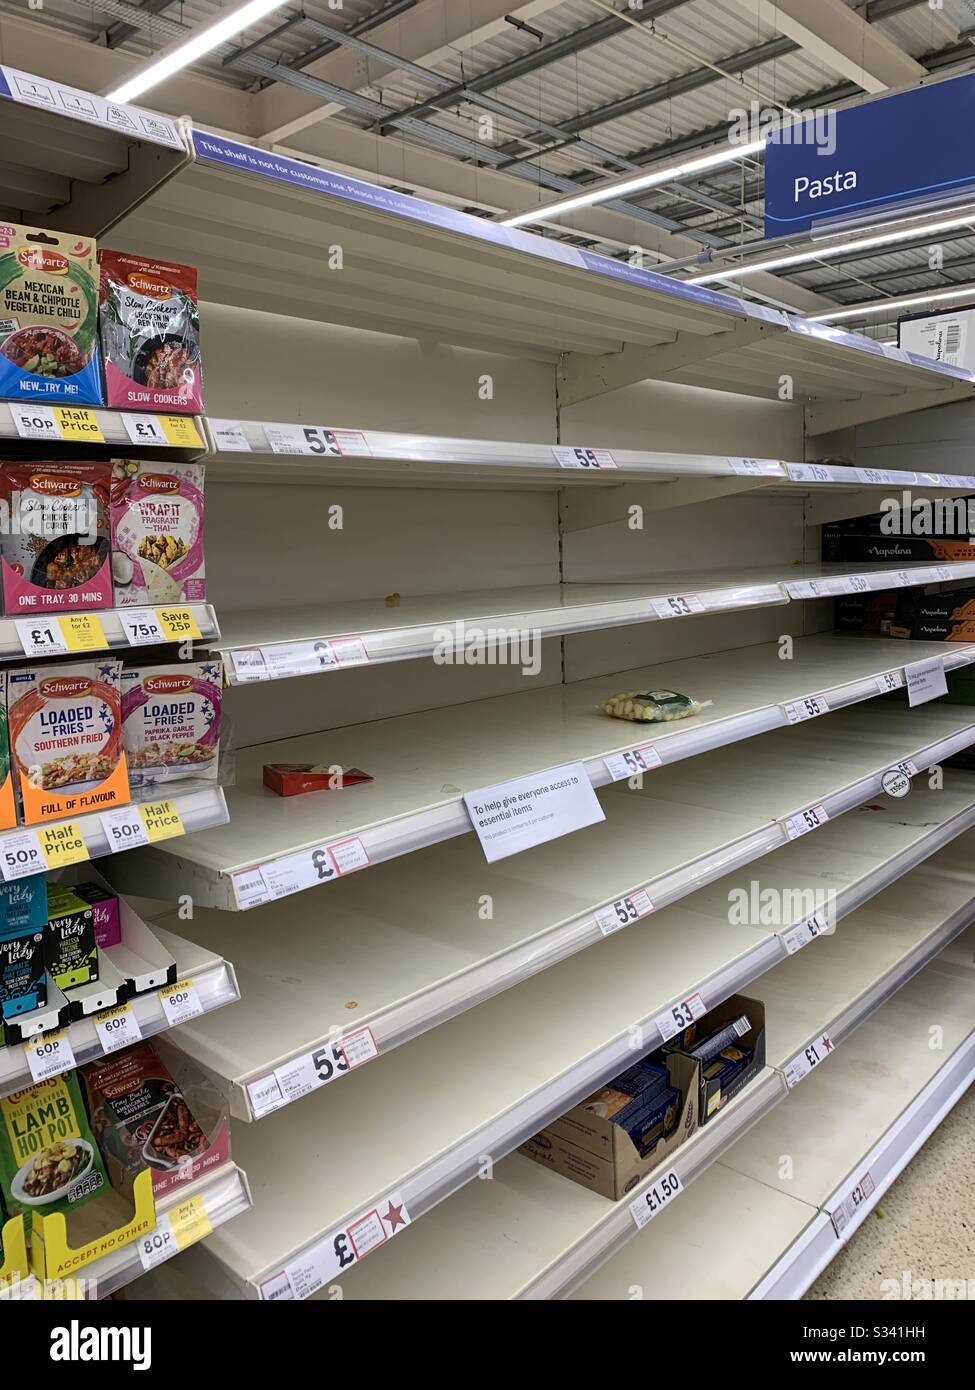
x=808 y=1059
x=330 y=1257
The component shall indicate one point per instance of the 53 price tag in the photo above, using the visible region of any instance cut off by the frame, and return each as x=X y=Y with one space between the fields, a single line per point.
x=682 y=1015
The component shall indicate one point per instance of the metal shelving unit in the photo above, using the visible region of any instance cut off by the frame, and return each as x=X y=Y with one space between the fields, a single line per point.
x=500 y=1073
x=410 y=960
x=260 y=856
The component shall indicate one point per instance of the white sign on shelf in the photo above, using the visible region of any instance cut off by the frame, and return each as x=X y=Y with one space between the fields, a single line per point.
x=117 y=1028
x=846 y=1210
x=809 y=819
x=180 y=1002
x=615 y=916
x=21 y=855
x=809 y=1058
x=338 y=1251
x=85 y=106
x=681 y=1015
x=249 y=665
x=41 y=636
x=265 y=1095
x=645 y=1207
x=229 y=437
x=35 y=422
x=796 y=937
x=678 y=605
x=569 y=457
x=49 y=1056
x=926 y=680
x=527 y=811
x=633 y=762
x=797 y=711
x=124 y=828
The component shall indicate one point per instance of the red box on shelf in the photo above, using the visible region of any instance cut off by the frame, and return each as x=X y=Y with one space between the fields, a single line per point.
x=292 y=779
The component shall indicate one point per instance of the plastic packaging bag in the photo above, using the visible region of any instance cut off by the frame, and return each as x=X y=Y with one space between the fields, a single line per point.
x=650 y=706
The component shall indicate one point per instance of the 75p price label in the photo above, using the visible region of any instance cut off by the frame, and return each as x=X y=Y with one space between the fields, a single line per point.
x=680 y=1016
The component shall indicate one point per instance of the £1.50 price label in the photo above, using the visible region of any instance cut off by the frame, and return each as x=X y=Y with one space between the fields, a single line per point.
x=49 y=1055
x=649 y=1203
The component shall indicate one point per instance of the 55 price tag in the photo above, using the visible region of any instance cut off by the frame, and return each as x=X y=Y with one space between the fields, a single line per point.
x=623 y=911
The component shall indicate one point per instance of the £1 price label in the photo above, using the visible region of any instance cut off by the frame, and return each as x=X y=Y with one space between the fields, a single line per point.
x=680 y=1016
x=49 y=1055
x=809 y=1058
x=180 y=1002
x=41 y=636
x=645 y=1207
x=117 y=1028
x=804 y=932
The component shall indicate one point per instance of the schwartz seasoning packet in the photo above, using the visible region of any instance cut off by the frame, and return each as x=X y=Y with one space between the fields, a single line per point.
x=150 y=328
x=55 y=554
x=157 y=532
x=48 y=317
x=66 y=739
x=171 y=721
x=48 y=1157
x=8 y=811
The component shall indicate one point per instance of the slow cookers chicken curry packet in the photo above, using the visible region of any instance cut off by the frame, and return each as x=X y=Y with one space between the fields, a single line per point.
x=48 y=317
x=55 y=551
x=150 y=330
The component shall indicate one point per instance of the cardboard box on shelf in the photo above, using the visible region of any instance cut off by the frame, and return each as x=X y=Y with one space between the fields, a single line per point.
x=590 y=1145
x=724 y=1070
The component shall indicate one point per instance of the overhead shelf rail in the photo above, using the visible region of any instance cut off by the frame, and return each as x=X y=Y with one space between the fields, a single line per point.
x=259 y=226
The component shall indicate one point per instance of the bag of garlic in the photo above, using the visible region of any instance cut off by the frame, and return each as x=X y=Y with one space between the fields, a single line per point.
x=650 y=706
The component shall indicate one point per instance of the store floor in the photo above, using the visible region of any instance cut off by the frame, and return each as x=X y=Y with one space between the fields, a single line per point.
x=923 y=1230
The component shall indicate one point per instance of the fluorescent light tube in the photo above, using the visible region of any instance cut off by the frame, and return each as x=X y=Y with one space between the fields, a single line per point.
x=186 y=51
x=823 y=253
x=727 y=154
x=881 y=306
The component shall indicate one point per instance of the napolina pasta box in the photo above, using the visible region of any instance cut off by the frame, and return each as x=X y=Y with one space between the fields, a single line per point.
x=157 y=532
x=171 y=720
x=66 y=739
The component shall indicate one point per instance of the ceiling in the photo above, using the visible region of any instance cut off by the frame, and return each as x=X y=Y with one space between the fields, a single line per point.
x=499 y=108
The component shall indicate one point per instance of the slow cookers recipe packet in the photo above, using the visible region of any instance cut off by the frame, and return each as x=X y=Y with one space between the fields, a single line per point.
x=150 y=328
x=55 y=547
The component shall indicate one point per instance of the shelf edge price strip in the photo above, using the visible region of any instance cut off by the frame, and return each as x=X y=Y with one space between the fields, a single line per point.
x=311 y=1071
x=680 y=1016
x=810 y=707
x=293 y=873
x=619 y=914
x=645 y=1207
x=809 y=1058
x=49 y=1055
x=844 y=1213
x=677 y=605
x=338 y=1251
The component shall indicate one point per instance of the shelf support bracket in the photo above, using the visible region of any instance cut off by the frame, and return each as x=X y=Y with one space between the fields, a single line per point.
x=823 y=417
x=581 y=377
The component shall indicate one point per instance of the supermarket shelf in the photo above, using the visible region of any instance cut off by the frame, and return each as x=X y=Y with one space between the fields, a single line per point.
x=199 y=808
x=212 y=977
x=278 y=643
x=91 y=159
x=463 y=748
x=112 y=622
x=33 y=427
x=497 y=1073
x=305 y=451
x=411 y=959
x=862 y=1114
x=224 y=1193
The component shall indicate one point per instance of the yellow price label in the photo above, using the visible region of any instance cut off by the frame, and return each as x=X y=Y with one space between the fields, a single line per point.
x=181 y=431
x=189 y=1222
x=178 y=624
x=161 y=820
x=62 y=844
x=83 y=632
x=79 y=424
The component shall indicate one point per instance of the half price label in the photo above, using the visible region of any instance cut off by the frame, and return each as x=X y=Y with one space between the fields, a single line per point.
x=117 y=1028
x=180 y=1002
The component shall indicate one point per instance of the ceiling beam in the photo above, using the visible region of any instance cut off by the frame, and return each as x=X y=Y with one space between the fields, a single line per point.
x=842 y=39
x=427 y=34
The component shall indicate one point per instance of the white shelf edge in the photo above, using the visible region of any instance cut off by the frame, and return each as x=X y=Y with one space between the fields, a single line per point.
x=216 y=985
x=155 y=443
x=111 y=620
x=805 y=1259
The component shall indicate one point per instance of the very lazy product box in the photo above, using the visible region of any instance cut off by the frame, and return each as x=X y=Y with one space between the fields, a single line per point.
x=613 y=1139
